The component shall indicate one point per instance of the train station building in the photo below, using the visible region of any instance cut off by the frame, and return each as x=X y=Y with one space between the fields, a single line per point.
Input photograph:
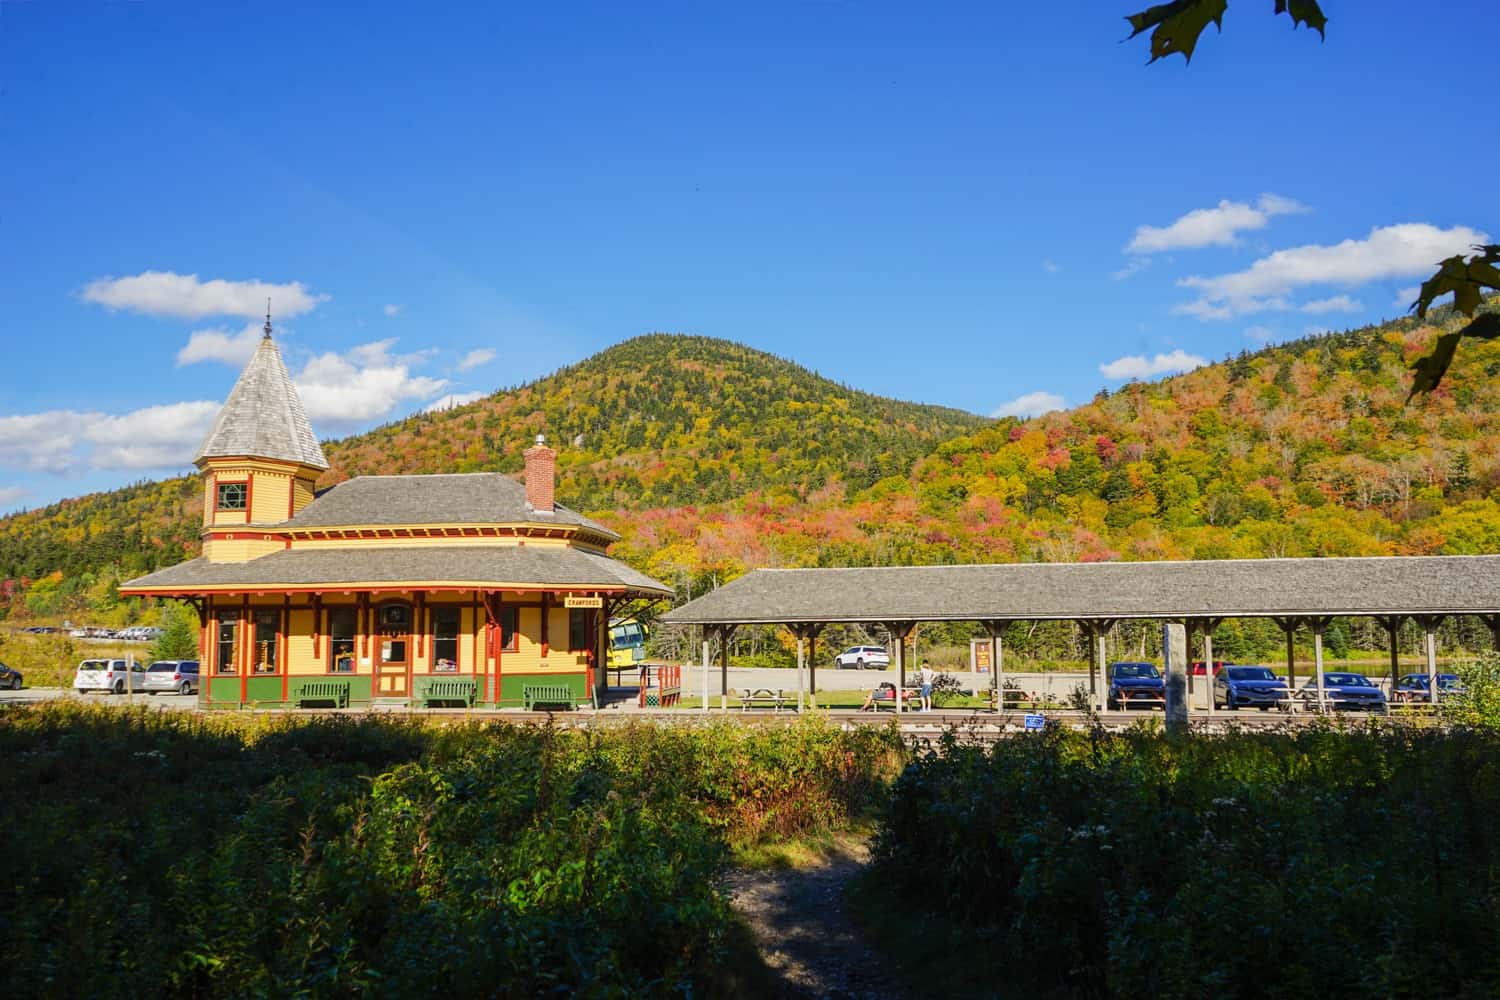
x=440 y=589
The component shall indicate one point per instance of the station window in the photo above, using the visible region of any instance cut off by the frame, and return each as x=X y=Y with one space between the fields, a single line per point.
x=267 y=627
x=343 y=623
x=445 y=640
x=231 y=496
x=229 y=622
x=578 y=630
x=510 y=628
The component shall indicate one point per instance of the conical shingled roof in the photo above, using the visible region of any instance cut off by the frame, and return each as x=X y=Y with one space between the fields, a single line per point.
x=263 y=417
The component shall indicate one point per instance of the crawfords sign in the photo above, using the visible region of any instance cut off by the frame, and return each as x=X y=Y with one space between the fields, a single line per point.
x=576 y=601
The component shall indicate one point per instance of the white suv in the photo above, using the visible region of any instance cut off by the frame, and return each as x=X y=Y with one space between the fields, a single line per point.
x=861 y=657
x=109 y=675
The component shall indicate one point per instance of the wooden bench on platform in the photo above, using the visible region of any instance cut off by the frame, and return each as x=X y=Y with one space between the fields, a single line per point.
x=320 y=689
x=762 y=698
x=533 y=695
x=434 y=689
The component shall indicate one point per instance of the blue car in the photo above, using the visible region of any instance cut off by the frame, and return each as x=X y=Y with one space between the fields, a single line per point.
x=1413 y=687
x=1136 y=684
x=1250 y=687
x=1345 y=690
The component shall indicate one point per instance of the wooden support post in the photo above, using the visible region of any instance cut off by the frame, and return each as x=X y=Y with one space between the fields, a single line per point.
x=1392 y=625
x=997 y=669
x=1319 y=626
x=813 y=631
x=1187 y=637
x=801 y=666
x=725 y=631
x=1174 y=650
x=1430 y=625
x=704 y=667
x=1097 y=629
x=899 y=631
x=1290 y=626
x=1210 y=682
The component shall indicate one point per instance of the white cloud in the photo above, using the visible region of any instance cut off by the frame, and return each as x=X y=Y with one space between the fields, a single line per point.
x=392 y=309
x=61 y=441
x=1133 y=267
x=1217 y=226
x=1259 y=334
x=451 y=400
x=1140 y=366
x=365 y=383
x=12 y=494
x=1338 y=303
x=1398 y=251
x=1033 y=404
x=166 y=293
x=1050 y=267
x=156 y=437
x=220 y=345
x=475 y=358
x=1406 y=296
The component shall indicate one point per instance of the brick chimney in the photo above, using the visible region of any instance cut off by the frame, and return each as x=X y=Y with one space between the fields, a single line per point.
x=541 y=476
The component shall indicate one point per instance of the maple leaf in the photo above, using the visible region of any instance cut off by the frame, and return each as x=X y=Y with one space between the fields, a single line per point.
x=1179 y=24
x=1468 y=280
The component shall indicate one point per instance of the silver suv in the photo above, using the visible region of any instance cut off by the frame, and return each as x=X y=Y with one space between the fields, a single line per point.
x=172 y=675
x=109 y=675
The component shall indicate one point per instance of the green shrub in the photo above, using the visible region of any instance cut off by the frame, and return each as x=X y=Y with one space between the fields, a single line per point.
x=157 y=853
x=1359 y=863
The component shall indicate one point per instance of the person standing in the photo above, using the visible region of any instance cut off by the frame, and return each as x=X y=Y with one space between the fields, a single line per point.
x=927 y=675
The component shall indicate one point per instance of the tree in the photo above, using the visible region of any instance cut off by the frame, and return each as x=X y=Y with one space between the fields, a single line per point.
x=1175 y=28
x=179 y=641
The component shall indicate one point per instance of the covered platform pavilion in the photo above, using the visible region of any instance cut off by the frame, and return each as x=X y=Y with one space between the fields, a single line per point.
x=1200 y=594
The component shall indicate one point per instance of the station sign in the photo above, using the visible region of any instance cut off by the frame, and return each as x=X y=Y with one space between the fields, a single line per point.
x=579 y=601
x=1036 y=721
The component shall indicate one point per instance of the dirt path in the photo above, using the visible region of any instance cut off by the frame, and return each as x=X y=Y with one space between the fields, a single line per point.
x=803 y=932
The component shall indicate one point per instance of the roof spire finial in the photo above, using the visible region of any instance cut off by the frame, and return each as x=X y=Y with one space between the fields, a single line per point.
x=268 y=318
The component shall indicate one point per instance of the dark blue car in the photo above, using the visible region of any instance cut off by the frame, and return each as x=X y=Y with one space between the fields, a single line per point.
x=1136 y=684
x=1345 y=690
x=1250 y=687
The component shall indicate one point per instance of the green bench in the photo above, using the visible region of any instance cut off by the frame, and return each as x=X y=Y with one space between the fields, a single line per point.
x=336 y=691
x=464 y=689
x=533 y=695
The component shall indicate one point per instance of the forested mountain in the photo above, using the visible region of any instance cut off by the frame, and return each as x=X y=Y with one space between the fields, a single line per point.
x=1306 y=448
x=711 y=458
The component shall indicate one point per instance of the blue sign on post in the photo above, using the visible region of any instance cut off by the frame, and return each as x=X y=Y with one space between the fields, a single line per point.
x=1036 y=721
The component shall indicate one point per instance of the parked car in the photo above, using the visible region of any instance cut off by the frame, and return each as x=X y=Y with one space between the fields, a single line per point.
x=1136 y=684
x=1250 y=687
x=1198 y=668
x=109 y=675
x=171 y=675
x=10 y=678
x=861 y=657
x=1413 y=687
x=1345 y=690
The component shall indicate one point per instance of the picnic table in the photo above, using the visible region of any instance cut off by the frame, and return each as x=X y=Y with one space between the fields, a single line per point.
x=762 y=698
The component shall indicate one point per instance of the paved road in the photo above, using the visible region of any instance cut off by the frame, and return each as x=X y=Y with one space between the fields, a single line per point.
x=158 y=701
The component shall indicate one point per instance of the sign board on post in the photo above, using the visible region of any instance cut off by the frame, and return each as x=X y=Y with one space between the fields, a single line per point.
x=1034 y=721
x=979 y=656
x=579 y=601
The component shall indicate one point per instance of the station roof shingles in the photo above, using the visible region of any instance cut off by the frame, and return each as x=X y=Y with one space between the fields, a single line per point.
x=490 y=567
x=263 y=416
x=1019 y=591
x=455 y=498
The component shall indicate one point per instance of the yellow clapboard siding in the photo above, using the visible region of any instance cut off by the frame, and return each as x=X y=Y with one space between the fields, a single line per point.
x=270 y=497
x=239 y=549
x=299 y=644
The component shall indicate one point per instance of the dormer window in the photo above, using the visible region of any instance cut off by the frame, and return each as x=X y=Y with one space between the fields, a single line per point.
x=230 y=496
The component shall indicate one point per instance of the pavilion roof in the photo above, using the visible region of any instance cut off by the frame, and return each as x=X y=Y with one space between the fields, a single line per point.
x=1406 y=585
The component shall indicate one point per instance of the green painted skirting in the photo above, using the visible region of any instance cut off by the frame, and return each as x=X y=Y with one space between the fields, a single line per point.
x=511 y=685
x=224 y=692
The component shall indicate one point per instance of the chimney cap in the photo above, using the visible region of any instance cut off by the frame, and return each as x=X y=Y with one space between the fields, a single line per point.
x=541 y=439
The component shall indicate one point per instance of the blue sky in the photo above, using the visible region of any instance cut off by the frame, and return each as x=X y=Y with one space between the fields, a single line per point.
x=964 y=204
